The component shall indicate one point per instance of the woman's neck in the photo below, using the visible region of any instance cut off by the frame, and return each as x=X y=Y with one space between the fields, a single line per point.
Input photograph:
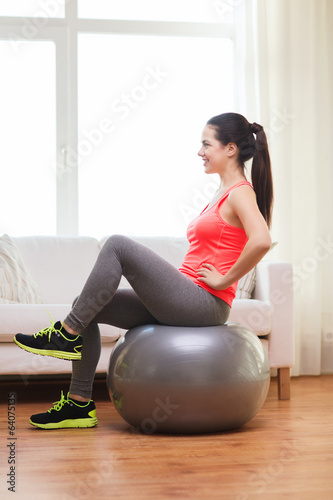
x=228 y=181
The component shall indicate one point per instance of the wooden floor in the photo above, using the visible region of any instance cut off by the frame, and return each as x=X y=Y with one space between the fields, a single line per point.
x=285 y=452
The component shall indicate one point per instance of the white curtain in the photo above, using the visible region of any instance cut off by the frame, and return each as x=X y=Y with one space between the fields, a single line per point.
x=285 y=51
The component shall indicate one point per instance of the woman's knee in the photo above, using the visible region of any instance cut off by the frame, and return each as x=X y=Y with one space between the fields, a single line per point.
x=116 y=244
x=116 y=239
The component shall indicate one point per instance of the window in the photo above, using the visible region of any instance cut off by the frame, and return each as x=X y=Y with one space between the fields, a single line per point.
x=103 y=107
x=140 y=122
x=201 y=11
x=27 y=130
x=34 y=9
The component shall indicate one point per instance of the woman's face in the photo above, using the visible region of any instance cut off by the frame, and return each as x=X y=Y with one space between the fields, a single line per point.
x=213 y=153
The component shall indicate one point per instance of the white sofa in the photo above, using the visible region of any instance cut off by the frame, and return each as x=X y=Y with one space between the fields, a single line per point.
x=60 y=265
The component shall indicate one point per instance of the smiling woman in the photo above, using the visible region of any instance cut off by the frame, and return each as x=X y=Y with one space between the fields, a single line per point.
x=199 y=293
x=213 y=152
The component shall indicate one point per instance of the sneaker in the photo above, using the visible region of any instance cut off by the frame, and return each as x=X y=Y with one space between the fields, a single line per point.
x=66 y=413
x=53 y=341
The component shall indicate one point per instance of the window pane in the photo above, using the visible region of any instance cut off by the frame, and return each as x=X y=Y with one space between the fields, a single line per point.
x=159 y=10
x=143 y=102
x=33 y=8
x=27 y=131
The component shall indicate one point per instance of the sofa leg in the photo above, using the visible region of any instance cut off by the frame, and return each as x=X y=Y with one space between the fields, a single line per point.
x=284 y=383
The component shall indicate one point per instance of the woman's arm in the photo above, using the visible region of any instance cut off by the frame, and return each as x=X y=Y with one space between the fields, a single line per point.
x=243 y=204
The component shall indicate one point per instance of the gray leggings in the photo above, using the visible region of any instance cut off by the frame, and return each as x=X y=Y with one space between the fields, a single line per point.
x=159 y=294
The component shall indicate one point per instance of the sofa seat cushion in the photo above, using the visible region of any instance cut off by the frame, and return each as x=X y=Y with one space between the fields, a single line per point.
x=17 y=362
x=252 y=313
x=31 y=318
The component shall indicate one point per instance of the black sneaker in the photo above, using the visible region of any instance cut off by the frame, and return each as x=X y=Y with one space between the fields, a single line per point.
x=65 y=414
x=53 y=341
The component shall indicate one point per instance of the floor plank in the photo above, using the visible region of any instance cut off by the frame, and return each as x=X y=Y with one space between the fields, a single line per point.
x=286 y=452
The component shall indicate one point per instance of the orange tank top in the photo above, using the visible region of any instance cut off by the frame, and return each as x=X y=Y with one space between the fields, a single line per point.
x=214 y=241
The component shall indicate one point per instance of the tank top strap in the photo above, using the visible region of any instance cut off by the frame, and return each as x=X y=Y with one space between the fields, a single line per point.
x=226 y=194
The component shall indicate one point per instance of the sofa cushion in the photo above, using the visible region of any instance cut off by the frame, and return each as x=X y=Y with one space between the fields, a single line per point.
x=31 y=318
x=252 y=313
x=16 y=283
x=16 y=362
x=246 y=285
x=60 y=265
x=172 y=249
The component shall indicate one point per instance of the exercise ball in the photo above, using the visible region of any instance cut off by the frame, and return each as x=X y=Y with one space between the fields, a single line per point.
x=173 y=379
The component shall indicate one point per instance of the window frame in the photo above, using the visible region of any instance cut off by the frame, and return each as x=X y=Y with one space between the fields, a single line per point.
x=64 y=33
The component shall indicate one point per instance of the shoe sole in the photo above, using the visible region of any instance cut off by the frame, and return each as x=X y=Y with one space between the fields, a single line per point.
x=78 y=423
x=69 y=356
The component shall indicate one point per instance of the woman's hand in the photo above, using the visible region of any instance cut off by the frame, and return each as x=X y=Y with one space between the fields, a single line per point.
x=209 y=275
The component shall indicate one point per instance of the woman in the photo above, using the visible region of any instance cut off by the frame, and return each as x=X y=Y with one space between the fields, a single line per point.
x=227 y=239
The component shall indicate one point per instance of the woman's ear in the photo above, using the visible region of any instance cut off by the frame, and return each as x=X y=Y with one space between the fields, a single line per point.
x=231 y=149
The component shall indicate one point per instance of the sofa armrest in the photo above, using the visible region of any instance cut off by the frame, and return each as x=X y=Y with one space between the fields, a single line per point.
x=274 y=287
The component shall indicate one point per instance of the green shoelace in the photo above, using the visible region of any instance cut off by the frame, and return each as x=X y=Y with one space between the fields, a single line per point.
x=48 y=330
x=58 y=404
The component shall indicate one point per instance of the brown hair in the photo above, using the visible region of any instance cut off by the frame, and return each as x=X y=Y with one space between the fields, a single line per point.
x=233 y=127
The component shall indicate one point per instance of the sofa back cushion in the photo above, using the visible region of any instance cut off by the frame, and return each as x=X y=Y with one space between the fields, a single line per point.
x=59 y=265
x=172 y=249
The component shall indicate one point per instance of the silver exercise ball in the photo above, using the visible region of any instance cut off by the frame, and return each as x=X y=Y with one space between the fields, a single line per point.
x=188 y=379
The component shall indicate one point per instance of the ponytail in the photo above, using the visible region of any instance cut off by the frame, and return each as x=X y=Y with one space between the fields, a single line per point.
x=261 y=174
x=233 y=127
